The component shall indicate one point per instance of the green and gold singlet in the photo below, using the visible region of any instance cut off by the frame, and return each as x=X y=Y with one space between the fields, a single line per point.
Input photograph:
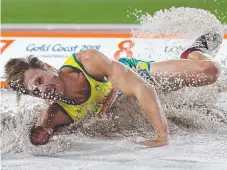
x=99 y=91
x=99 y=100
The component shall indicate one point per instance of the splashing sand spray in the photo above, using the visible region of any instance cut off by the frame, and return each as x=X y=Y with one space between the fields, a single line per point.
x=187 y=110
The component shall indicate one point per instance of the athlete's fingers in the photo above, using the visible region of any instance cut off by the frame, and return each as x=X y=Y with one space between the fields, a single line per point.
x=40 y=135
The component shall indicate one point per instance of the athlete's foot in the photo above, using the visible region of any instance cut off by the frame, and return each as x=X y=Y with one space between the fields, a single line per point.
x=206 y=43
x=155 y=143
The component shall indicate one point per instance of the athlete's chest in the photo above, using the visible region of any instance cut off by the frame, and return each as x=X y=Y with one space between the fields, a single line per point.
x=77 y=87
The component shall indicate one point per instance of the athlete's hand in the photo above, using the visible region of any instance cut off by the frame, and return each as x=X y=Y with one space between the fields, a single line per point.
x=40 y=135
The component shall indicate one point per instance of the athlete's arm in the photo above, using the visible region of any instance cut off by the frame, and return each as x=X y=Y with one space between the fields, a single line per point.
x=131 y=84
x=49 y=119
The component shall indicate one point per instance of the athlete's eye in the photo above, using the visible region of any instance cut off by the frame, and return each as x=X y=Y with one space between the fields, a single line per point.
x=39 y=80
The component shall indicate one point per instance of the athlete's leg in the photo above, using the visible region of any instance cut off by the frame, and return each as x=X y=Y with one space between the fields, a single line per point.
x=194 y=69
x=181 y=73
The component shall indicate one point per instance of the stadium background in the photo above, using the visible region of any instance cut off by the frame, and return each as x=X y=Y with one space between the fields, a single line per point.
x=100 y=18
x=96 y=11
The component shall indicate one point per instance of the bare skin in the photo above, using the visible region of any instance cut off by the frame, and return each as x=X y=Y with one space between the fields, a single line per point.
x=74 y=86
x=197 y=70
x=196 y=64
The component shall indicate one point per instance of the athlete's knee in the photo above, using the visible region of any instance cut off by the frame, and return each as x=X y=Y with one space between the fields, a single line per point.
x=195 y=55
x=210 y=69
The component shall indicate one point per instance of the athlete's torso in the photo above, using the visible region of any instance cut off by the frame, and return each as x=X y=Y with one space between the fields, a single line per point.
x=102 y=94
x=100 y=98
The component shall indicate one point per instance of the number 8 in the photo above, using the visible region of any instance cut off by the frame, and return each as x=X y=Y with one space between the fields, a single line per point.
x=124 y=46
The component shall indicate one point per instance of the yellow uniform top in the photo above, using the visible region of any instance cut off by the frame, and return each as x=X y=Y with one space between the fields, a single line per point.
x=99 y=91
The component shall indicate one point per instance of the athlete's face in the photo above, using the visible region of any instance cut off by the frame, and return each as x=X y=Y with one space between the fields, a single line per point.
x=43 y=83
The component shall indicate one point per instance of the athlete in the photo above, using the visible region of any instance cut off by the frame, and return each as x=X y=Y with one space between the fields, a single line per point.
x=89 y=83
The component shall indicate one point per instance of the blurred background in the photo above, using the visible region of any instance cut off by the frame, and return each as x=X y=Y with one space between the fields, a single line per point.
x=96 y=11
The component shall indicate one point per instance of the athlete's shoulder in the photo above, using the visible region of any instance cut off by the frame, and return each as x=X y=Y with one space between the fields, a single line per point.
x=91 y=55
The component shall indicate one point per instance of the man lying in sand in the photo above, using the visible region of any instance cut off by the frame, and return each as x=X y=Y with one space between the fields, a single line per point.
x=89 y=83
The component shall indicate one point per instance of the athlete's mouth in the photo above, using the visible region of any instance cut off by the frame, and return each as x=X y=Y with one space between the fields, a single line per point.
x=50 y=93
